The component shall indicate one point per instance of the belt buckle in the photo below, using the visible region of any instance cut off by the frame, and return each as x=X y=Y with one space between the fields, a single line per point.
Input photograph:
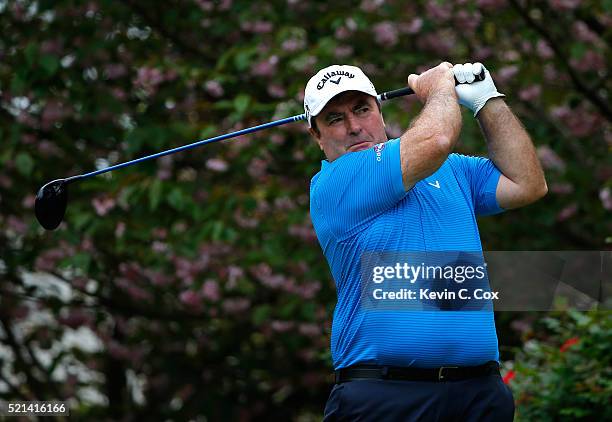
x=441 y=371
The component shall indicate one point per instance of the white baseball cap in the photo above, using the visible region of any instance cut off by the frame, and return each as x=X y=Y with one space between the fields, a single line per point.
x=331 y=81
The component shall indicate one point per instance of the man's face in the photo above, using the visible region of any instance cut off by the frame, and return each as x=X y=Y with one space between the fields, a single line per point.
x=349 y=122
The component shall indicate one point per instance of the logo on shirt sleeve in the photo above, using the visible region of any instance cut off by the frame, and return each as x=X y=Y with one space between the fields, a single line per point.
x=378 y=150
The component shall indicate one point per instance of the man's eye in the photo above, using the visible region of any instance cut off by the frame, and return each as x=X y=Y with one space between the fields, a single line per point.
x=334 y=120
x=362 y=109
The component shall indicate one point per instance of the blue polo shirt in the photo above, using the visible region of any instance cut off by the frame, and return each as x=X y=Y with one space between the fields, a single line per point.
x=358 y=204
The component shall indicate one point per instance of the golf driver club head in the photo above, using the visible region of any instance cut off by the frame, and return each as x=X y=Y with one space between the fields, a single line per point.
x=50 y=205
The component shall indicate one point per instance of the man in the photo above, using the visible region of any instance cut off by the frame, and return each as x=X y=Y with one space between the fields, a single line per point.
x=412 y=194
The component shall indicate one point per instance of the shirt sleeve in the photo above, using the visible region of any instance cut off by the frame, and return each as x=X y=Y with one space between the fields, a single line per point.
x=482 y=177
x=357 y=187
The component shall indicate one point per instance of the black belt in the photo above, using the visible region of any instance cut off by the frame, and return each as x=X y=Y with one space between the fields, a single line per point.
x=444 y=373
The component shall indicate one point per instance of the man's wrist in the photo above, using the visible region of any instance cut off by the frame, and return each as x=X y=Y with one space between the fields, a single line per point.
x=492 y=103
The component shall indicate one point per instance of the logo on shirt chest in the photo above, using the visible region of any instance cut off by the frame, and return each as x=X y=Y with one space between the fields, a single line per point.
x=378 y=150
x=435 y=185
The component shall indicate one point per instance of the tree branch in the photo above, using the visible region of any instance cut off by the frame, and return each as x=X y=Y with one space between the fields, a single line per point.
x=562 y=59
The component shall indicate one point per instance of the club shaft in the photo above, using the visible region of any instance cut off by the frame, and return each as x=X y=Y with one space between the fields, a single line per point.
x=382 y=97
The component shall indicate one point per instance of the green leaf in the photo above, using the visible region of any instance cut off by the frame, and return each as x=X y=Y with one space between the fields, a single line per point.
x=30 y=53
x=155 y=194
x=241 y=103
x=176 y=199
x=50 y=64
x=261 y=314
x=24 y=163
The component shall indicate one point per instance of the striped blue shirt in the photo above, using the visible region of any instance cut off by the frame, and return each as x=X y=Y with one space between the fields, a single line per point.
x=358 y=204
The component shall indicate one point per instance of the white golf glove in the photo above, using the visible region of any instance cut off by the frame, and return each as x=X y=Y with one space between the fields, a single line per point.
x=474 y=94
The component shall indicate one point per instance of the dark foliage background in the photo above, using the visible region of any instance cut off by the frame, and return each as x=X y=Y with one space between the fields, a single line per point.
x=194 y=285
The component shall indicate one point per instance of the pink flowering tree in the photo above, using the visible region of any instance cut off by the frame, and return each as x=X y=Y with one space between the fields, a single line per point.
x=194 y=285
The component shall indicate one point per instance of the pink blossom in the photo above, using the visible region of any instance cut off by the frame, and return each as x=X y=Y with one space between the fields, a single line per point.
x=214 y=88
x=190 y=298
x=567 y=212
x=293 y=44
x=506 y=73
x=257 y=168
x=550 y=159
x=564 y=4
x=53 y=112
x=16 y=225
x=48 y=260
x=159 y=247
x=120 y=229
x=385 y=33
x=233 y=274
x=530 y=93
x=118 y=93
x=413 y=26
x=582 y=32
x=243 y=221
x=281 y=326
x=264 y=274
x=342 y=33
x=216 y=164
x=148 y=79
x=343 y=51
x=265 y=68
x=53 y=47
x=491 y=4
x=205 y=5
x=304 y=232
x=305 y=291
x=284 y=203
x=158 y=278
x=236 y=305
x=561 y=188
x=440 y=43
x=210 y=290
x=371 y=5
x=605 y=196
x=75 y=318
x=276 y=91
x=257 y=27
x=115 y=70
x=591 y=60
x=467 y=21
x=160 y=232
x=49 y=149
x=438 y=11
x=225 y=5
x=277 y=138
x=136 y=293
x=103 y=204
x=310 y=330
x=118 y=350
x=543 y=50
x=28 y=201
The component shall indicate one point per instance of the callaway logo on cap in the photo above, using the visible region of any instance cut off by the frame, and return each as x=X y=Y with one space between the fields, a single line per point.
x=331 y=81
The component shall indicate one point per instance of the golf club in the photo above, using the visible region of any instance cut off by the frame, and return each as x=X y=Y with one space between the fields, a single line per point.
x=52 y=198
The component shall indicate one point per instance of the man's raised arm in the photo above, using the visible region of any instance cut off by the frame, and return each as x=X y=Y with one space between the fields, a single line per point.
x=510 y=148
x=433 y=134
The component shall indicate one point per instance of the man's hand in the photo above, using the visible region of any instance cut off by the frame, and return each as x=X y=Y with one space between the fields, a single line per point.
x=474 y=95
x=434 y=80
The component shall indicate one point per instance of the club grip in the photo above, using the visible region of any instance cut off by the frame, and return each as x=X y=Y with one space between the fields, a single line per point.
x=408 y=91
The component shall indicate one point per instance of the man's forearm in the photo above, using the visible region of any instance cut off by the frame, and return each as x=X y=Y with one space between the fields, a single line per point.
x=510 y=147
x=431 y=137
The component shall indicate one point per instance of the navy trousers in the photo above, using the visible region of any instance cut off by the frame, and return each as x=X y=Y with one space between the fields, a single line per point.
x=484 y=398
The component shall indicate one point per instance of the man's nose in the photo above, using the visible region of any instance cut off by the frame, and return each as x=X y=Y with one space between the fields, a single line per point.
x=353 y=126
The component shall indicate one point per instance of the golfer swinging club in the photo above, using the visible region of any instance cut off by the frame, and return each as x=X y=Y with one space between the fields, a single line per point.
x=412 y=194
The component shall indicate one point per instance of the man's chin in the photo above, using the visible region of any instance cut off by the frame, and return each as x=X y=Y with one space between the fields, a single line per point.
x=360 y=146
